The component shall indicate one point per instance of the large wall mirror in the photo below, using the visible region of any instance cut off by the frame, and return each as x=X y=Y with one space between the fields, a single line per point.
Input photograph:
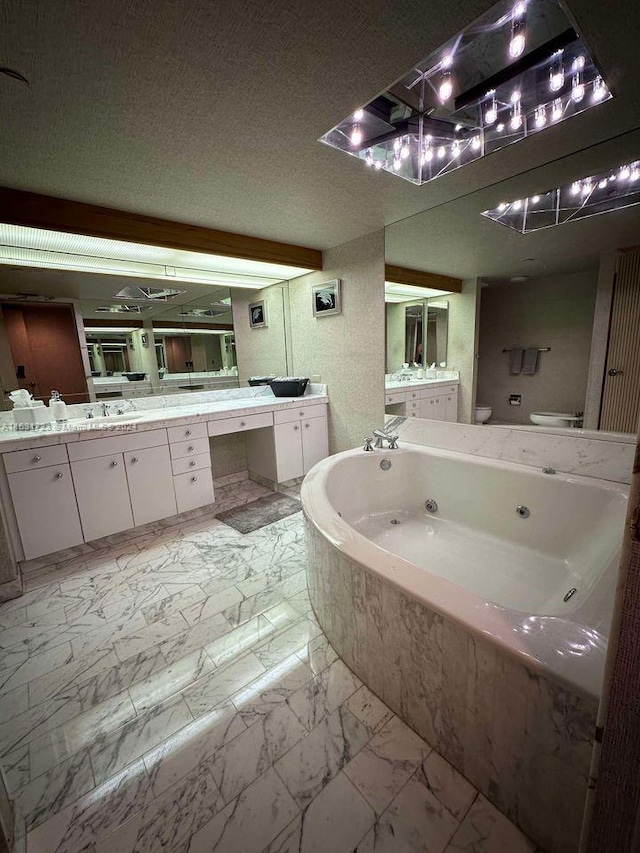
x=107 y=337
x=416 y=333
x=545 y=331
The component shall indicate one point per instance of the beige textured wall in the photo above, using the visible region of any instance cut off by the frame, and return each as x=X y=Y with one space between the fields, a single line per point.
x=394 y=312
x=557 y=312
x=464 y=310
x=599 y=339
x=347 y=351
x=260 y=351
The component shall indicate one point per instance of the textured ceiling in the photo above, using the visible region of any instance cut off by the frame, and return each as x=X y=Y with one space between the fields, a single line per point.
x=209 y=112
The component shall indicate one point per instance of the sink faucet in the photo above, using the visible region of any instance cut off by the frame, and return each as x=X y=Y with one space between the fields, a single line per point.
x=382 y=436
x=105 y=410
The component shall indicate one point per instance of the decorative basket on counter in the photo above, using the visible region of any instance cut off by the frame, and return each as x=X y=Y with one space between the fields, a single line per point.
x=288 y=386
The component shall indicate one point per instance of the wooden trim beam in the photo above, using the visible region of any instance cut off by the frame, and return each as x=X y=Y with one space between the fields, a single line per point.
x=419 y=278
x=166 y=324
x=59 y=214
x=109 y=323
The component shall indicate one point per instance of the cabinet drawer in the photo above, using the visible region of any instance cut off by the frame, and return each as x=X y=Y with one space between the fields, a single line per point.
x=394 y=398
x=194 y=463
x=240 y=424
x=193 y=490
x=187 y=432
x=286 y=416
x=94 y=447
x=189 y=448
x=27 y=460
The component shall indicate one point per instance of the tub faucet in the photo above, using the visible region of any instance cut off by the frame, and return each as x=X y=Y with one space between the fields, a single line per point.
x=382 y=436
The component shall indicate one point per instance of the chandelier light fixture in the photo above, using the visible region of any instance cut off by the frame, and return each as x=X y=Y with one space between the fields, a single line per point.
x=516 y=71
x=590 y=196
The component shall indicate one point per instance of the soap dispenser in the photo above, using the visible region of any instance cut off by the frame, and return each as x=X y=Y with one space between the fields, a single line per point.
x=58 y=408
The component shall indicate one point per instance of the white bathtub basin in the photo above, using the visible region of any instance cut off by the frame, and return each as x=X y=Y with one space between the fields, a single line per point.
x=553 y=419
x=476 y=559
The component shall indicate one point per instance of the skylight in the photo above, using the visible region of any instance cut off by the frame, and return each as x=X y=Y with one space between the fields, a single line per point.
x=605 y=192
x=516 y=71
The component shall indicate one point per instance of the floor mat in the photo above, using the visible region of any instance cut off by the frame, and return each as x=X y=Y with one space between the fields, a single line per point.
x=259 y=513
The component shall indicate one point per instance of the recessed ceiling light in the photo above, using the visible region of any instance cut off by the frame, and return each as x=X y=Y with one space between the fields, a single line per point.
x=472 y=96
x=518 y=279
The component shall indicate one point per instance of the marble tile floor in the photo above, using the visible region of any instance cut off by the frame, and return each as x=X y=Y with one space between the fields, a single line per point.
x=176 y=693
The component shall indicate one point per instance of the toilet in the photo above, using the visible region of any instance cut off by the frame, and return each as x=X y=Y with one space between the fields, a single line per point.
x=483 y=413
x=554 y=419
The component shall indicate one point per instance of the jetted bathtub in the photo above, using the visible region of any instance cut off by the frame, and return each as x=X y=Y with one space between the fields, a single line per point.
x=474 y=597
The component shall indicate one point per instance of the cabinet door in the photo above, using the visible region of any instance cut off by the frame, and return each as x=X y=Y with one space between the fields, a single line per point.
x=103 y=495
x=315 y=442
x=150 y=479
x=451 y=406
x=433 y=408
x=288 y=441
x=46 y=510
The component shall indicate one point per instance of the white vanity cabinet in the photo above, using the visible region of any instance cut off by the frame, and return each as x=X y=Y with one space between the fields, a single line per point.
x=298 y=440
x=113 y=492
x=150 y=478
x=45 y=505
x=439 y=403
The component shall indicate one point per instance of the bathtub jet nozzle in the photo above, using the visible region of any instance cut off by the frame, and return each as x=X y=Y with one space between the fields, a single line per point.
x=523 y=511
x=431 y=505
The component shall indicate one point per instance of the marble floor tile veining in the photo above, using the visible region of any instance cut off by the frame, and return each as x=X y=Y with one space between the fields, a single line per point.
x=174 y=691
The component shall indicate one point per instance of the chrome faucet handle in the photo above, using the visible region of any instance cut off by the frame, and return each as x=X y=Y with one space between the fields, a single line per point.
x=89 y=413
x=368 y=444
x=393 y=442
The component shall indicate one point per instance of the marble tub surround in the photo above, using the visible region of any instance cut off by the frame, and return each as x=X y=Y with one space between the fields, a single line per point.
x=457 y=617
x=522 y=739
x=603 y=458
x=208 y=713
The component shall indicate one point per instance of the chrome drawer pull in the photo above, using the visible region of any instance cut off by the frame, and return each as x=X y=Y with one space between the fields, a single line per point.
x=114 y=464
x=306 y=426
x=192 y=463
x=296 y=427
x=187 y=432
x=193 y=479
x=243 y=423
x=59 y=475
x=36 y=458
x=134 y=458
x=190 y=449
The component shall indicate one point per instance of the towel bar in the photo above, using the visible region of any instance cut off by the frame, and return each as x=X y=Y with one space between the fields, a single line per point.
x=540 y=349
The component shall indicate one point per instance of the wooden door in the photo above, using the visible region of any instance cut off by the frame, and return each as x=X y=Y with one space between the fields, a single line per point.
x=45 y=350
x=178 y=353
x=621 y=396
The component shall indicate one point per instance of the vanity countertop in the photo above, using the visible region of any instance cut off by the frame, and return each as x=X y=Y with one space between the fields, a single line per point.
x=90 y=428
x=418 y=383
